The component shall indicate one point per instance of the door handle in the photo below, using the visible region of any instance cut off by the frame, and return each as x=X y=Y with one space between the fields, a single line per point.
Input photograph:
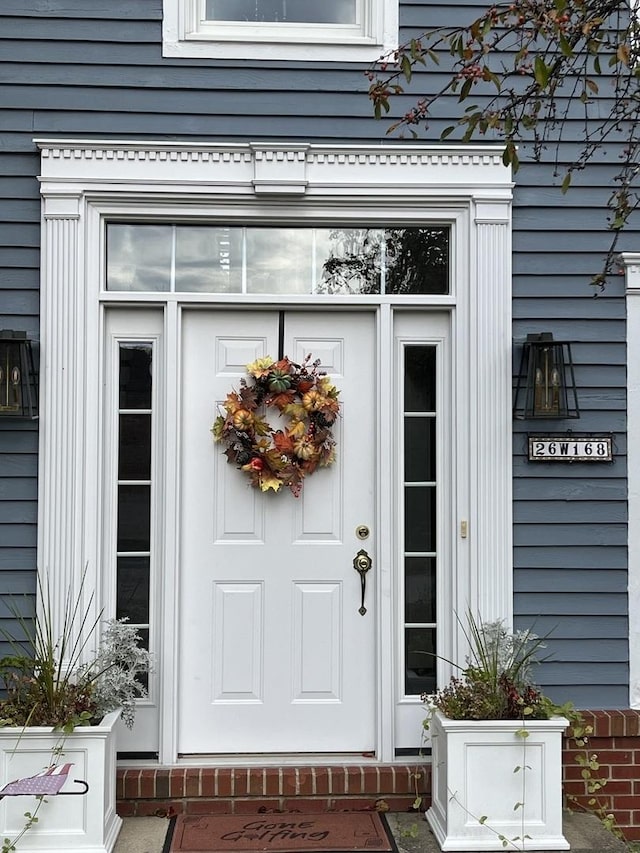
x=362 y=563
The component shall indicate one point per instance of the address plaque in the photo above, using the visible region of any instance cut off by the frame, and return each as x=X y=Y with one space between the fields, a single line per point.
x=570 y=448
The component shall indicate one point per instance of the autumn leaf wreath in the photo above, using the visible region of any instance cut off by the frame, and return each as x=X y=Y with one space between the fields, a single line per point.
x=307 y=400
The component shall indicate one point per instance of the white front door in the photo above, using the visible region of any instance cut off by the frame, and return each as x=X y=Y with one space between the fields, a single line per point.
x=273 y=653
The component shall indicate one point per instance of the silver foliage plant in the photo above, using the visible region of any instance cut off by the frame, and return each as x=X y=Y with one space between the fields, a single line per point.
x=115 y=672
x=499 y=651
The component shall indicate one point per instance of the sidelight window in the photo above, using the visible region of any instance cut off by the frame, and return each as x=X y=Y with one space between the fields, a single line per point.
x=419 y=497
x=134 y=492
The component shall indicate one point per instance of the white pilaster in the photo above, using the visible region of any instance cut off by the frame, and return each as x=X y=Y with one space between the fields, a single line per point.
x=491 y=571
x=62 y=433
x=632 y=265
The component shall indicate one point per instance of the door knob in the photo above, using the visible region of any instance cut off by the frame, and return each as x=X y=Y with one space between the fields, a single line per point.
x=362 y=563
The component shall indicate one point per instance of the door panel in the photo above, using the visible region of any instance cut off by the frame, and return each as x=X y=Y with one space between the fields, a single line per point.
x=273 y=653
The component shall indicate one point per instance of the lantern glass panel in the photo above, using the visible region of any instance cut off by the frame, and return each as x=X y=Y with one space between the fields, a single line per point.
x=10 y=378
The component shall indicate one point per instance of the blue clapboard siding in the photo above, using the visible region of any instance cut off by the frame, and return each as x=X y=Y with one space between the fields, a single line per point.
x=77 y=68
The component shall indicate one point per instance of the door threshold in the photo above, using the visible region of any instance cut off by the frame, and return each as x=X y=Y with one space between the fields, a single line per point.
x=291 y=759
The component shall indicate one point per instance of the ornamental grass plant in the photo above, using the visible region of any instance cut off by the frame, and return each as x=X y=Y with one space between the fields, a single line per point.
x=496 y=683
x=55 y=680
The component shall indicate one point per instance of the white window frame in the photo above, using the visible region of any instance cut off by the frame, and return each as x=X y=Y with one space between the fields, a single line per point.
x=84 y=183
x=186 y=33
x=147 y=328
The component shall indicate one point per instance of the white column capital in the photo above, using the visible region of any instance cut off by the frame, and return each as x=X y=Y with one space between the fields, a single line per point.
x=492 y=211
x=631 y=261
x=61 y=206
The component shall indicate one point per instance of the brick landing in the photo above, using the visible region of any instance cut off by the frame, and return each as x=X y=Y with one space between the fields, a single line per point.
x=245 y=790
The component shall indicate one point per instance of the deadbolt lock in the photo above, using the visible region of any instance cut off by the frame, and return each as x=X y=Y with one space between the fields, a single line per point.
x=362 y=531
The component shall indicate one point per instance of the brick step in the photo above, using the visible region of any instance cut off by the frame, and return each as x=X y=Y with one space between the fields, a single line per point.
x=615 y=740
x=248 y=790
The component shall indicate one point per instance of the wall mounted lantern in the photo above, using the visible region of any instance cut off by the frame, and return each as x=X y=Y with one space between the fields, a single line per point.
x=18 y=380
x=546 y=386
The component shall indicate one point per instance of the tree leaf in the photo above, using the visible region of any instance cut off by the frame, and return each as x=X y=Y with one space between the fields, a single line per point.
x=491 y=77
x=623 y=53
x=405 y=67
x=565 y=47
x=464 y=92
x=541 y=72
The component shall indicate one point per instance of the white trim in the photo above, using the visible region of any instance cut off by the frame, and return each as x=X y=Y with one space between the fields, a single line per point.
x=168 y=605
x=385 y=634
x=186 y=33
x=632 y=269
x=83 y=182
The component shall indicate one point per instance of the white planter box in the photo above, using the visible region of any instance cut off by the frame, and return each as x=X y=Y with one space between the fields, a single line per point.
x=80 y=824
x=473 y=775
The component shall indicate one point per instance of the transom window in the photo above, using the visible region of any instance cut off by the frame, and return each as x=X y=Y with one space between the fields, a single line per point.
x=224 y=259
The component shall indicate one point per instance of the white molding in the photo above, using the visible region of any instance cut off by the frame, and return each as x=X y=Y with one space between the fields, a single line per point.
x=169 y=610
x=186 y=34
x=83 y=182
x=632 y=268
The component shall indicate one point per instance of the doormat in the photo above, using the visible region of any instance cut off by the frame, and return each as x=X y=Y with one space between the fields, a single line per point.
x=294 y=832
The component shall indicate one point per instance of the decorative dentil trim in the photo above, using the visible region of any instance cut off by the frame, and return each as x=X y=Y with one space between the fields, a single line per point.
x=278 y=168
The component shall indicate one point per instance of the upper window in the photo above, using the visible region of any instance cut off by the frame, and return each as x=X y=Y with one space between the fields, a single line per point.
x=334 y=30
x=282 y=11
x=223 y=259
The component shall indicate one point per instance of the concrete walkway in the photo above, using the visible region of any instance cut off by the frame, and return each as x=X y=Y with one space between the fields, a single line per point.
x=584 y=832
